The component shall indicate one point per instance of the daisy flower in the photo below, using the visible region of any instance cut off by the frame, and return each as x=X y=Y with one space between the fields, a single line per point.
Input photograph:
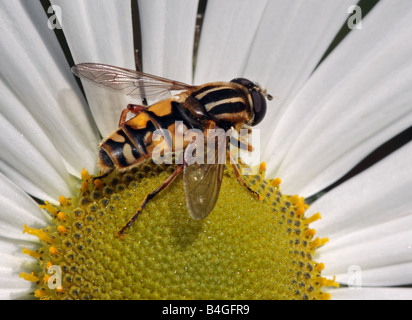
x=332 y=110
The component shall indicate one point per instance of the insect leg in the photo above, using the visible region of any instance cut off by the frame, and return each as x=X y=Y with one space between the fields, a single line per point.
x=240 y=179
x=238 y=143
x=241 y=145
x=133 y=108
x=104 y=175
x=150 y=196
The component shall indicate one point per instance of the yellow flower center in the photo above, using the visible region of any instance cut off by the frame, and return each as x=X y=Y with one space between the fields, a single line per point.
x=245 y=249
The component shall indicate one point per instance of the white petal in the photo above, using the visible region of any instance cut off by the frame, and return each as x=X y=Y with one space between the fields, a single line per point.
x=370 y=254
x=226 y=38
x=15 y=288
x=17 y=209
x=281 y=42
x=28 y=168
x=100 y=31
x=371 y=294
x=11 y=286
x=291 y=38
x=22 y=140
x=379 y=194
x=392 y=275
x=368 y=218
x=357 y=99
x=168 y=30
x=35 y=71
x=13 y=263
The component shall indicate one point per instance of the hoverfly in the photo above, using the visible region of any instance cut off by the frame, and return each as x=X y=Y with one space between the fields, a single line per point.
x=228 y=105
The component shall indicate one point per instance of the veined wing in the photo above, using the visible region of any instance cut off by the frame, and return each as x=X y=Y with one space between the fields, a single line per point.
x=130 y=82
x=202 y=183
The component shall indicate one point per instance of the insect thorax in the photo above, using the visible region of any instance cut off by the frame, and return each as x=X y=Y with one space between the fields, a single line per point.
x=223 y=102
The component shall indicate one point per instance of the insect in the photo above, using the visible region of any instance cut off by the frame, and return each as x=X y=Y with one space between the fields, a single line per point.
x=232 y=105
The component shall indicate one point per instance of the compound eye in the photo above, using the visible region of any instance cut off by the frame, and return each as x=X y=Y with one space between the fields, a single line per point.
x=259 y=107
x=258 y=100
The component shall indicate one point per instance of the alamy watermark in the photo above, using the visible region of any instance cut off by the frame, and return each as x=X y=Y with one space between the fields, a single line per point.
x=192 y=146
x=354 y=277
x=55 y=20
x=355 y=20
x=55 y=279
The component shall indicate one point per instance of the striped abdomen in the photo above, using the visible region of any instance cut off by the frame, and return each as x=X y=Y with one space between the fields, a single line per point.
x=132 y=142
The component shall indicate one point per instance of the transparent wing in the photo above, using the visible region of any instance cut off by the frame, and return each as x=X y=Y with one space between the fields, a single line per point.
x=202 y=183
x=129 y=82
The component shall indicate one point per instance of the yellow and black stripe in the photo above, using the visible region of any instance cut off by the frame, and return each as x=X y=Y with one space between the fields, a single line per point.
x=223 y=103
x=132 y=142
